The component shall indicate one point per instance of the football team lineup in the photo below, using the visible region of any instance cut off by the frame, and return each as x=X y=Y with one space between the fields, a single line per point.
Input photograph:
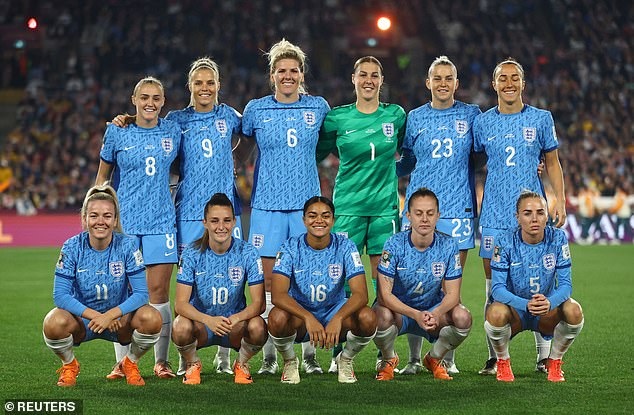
x=302 y=266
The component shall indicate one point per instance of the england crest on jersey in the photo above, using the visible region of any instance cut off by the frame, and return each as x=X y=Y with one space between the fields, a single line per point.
x=438 y=269
x=549 y=261
x=529 y=134
x=235 y=275
x=461 y=127
x=167 y=144
x=388 y=129
x=309 y=118
x=257 y=240
x=487 y=243
x=116 y=269
x=221 y=127
x=334 y=272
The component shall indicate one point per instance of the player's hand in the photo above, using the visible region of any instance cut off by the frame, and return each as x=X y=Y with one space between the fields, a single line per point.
x=427 y=321
x=234 y=319
x=560 y=213
x=115 y=325
x=540 y=167
x=333 y=330
x=316 y=332
x=123 y=120
x=538 y=305
x=100 y=323
x=219 y=325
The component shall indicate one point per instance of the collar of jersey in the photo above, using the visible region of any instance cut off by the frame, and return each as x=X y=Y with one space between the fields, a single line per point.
x=226 y=252
x=409 y=239
x=332 y=236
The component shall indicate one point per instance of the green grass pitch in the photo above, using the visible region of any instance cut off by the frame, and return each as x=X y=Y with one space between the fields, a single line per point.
x=599 y=366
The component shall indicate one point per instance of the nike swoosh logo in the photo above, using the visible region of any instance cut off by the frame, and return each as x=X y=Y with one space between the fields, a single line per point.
x=267 y=120
x=514 y=264
x=462 y=240
x=420 y=131
x=82 y=270
x=297 y=271
x=350 y=131
x=490 y=138
x=128 y=148
x=401 y=268
x=170 y=253
x=186 y=130
x=201 y=273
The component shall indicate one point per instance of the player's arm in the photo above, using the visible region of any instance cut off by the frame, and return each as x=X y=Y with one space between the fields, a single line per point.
x=451 y=287
x=217 y=324
x=556 y=176
x=386 y=298
x=257 y=306
x=327 y=138
x=500 y=291
x=406 y=163
x=104 y=173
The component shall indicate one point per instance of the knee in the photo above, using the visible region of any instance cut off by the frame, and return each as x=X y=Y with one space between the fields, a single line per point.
x=182 y=330
x=384 y=317
x=498 y=314
x=367 y=321
x=278 y=321
x=573 y=313
x=148 y=320
x=461 y=317
x=257 y=332
x=57 y=324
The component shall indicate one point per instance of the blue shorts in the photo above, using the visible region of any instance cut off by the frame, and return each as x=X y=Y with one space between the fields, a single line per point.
x=271 y=228
x=91 y=335
x=460 y=229
x=158 y=249
x=410 y=326
x=489 y=237
x=324 y=318
x=531 y=322
x=188 y=231
x=215 y=340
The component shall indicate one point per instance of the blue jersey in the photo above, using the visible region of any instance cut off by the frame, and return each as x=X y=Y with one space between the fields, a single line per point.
x=318 y=276
x=520 y=270
x=418 y=275
x=99 y=280
x=206 y=161
x=442 y=141
x=514 y=144
x=143 y=157
x=285 y=174
x=218 y=281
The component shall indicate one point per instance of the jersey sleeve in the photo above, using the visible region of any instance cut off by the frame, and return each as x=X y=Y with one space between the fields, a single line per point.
x=253 y=265
x=63 y=298
x=548 y=133
x=248 y=120
x=185 y=274
x=499 y=276
x=327 y=137
x=108 y=149
x=67 y=262
x=352 y=260
x=236 y=121
x=387 y=263
x=478 y=146
x=563 y=290
x=134 y=259
x=284 y=261
x=140 y=294
x=400 y=123
x=454 y=268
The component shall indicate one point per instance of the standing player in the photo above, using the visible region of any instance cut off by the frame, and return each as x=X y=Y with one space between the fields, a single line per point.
x=285 y=127
x=419 y=289
x=210 y=301
x=437 y=152
x=93 y=276
x=514 y=136
x=365 y=135
x=143 y=153
x=309 y=296
x=531 y=288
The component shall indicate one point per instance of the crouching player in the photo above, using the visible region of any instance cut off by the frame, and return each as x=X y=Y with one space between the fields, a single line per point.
x=309 y=296
x=419 y=289
x=531 y=287
x=92 y=277
x=210 y=299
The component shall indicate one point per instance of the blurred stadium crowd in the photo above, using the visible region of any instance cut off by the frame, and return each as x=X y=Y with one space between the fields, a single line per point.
x=78 y=71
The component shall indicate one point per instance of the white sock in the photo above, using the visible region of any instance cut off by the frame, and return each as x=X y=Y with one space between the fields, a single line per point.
x=223 y=354
x=415 y=346
x=354 y=344
x=486 y=304
x=542 y=345
x=284 y=345
x=449 y=357
x=162 y=346
x=188 y=352
x=269 y=353
x=140 y=344
x=449 y=338
x=563 y=337
x=499 y=337
x=308 y=351
x=61 y=347
x=120 y=351
x=384 y=340
x=247 y=351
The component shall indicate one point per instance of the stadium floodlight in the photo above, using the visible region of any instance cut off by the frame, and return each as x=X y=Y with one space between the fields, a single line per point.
x=32 y=23
x=383 y=23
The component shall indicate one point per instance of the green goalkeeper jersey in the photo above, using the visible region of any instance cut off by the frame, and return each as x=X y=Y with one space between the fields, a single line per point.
x=366 y=184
